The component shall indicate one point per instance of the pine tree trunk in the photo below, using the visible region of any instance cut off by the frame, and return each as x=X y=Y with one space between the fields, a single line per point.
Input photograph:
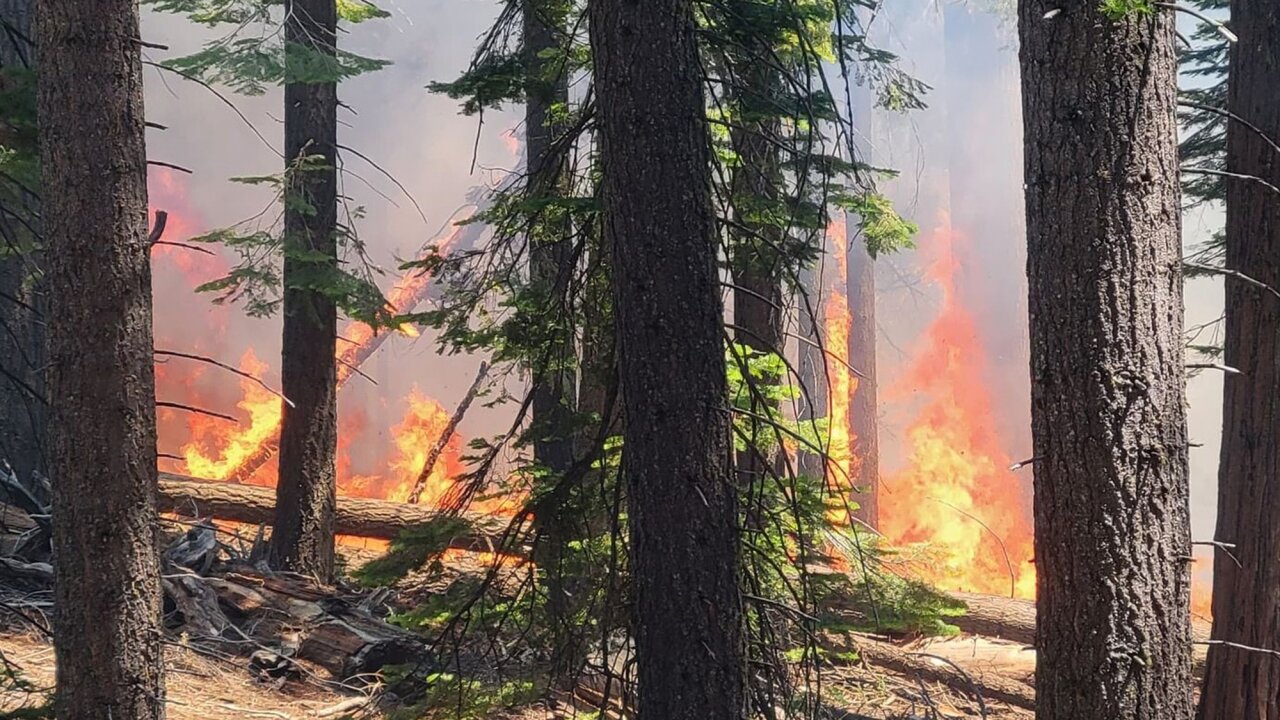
x=23 y=414
x=682 y=504
x=101 y=377
x=1108 y=381
x=865 y=408
x=550 y=267
x=1246 y=600
x=811 y=363
x=306 y=493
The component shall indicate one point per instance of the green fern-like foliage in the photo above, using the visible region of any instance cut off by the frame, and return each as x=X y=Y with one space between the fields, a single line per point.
x=411 y=550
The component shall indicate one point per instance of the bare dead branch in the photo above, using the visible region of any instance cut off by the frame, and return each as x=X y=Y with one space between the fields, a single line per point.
x=228 y=368
x=196 y=410
x=1239 y=646
x=1224 y=547
x=977 y=692
x=171 y=166
x=445 y=435
x=1214 y=366
x=356 y=370
x=186 y=246
x=1023 y=463
x=1234 y=274
x=1231 y=175
x=157 y=227
x=1013 y=578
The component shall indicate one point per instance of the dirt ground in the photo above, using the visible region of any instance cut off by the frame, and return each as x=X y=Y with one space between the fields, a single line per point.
x=203 y=688
x=197 y=687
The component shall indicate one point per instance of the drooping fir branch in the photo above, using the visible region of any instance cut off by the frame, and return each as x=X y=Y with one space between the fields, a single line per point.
x=250 y=57
x=1204 y=70
x=253 y=55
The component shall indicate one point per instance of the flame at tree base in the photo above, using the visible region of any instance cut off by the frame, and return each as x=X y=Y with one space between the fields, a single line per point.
x=956 y=499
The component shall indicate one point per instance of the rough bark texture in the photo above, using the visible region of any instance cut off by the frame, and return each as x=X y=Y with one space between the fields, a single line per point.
x=1108 y=382
x=101 y=377
x=1246 y=600
x=353 y=516
x=307 y=489
x=23 y=414
x=865 y=407
x=682 y=503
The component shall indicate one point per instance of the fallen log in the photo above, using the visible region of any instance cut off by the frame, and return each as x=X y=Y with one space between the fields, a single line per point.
x=990 y=686
x=286 y=622
x=355 y=516
x=997 y=617
x=1015 y=619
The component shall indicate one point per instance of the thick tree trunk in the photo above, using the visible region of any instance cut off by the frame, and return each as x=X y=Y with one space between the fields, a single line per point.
x=23 y=414
x=101 y=377
x=864 y=407
x=1246 y=600
x=660 y=221
x=306 y=491
x=1108 y=382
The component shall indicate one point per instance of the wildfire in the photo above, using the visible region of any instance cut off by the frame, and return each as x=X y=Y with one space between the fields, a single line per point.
x=216 y=449
x=415 y=436
x=359 y=341
x=957 y=495
x=837 y=322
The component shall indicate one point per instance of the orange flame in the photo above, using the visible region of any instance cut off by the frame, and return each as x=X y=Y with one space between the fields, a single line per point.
x=215 y=449
x=842 y=465
x=957 y=494
x=408 y=293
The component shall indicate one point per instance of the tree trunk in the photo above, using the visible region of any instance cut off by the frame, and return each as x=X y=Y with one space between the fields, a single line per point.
x=864 y=407
x=1246 y=600
x=812 y=361
x=306 y=491
x=101 y=377
x=23 y=414
x=682 y=504
x=550 y=267
x=1108 y=382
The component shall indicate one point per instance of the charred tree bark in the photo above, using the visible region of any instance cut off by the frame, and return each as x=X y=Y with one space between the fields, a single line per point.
x=550 y=267
x=682 y=503
x=1108 y=382
x=306 y=492
x=1246 y=600
x=23 y=412
x=101 y=377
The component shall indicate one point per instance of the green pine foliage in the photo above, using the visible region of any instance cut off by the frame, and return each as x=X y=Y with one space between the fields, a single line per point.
x=1204 y=143
x=253 y=55
x=250 y=58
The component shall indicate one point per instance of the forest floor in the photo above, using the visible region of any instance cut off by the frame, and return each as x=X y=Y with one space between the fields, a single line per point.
x=203 y=688
x=929 y=679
